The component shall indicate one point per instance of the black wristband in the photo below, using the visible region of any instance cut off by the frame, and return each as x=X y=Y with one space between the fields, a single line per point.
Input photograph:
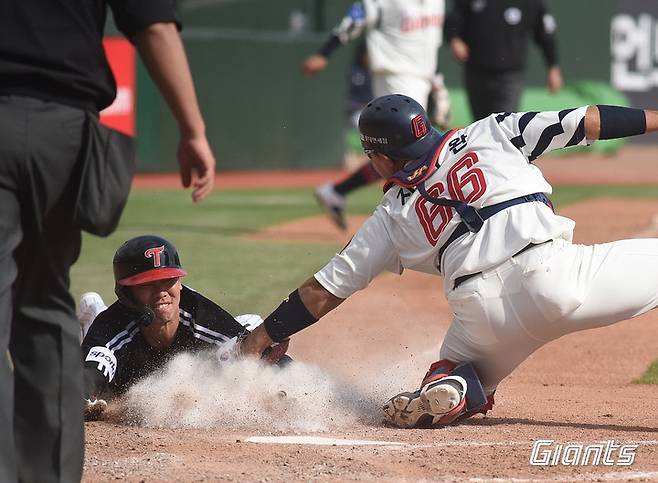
x=332 y=43
x=620 y=122
x=289 y=318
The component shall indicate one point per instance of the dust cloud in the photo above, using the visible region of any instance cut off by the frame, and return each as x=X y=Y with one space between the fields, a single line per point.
x=196 y=391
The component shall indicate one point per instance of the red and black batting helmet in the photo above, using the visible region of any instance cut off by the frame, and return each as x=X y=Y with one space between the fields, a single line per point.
x=397 y=126
x=145 y=259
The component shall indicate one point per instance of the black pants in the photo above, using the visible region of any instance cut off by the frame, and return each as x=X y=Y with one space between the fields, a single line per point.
x=41 y=425
x=490 y=92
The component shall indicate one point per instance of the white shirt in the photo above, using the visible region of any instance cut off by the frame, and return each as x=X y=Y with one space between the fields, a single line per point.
x=483 y=164
x=403 y=36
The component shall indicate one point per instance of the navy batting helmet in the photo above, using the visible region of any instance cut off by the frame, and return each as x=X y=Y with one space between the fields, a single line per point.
x=397 y=126
x=145 y=259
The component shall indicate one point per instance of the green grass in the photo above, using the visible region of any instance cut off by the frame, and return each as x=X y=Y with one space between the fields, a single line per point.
x=243 y=275
x=566 y=195
x=649 y=377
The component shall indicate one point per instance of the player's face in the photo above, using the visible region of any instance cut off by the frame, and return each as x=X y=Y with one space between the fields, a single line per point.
x=162 y=296
x=384 y=165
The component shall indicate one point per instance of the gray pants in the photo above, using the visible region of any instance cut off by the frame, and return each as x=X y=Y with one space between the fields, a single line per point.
x=490 y=92
x=41 y=423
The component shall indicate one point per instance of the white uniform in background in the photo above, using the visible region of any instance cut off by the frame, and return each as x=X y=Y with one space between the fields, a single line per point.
x=403 y=38
x=516 y=302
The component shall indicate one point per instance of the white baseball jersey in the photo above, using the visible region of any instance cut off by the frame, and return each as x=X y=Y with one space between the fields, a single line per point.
x=483 y=164
x=403 y=36
x=517 y=300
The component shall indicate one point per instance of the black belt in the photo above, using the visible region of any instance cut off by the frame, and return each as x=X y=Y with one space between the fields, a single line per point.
x=463 y=278
x=482 y=214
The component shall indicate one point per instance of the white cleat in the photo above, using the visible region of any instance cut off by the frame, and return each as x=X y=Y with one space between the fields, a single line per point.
x=426 y=407
x=91 y=304
x=333 y=203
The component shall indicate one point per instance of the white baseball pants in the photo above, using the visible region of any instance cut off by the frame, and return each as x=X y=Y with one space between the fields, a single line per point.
x=506 y=313
x=418 y=88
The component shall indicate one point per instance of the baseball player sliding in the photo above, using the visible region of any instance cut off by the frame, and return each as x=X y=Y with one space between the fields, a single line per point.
x=469 y=205
x=154 y=318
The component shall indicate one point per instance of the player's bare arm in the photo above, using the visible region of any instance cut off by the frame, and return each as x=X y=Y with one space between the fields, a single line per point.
x=313 y=298
x=162 y=51
x=351 y=26
x=317 y=299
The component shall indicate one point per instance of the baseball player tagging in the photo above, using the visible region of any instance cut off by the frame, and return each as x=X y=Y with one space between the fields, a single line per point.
x=470 y=206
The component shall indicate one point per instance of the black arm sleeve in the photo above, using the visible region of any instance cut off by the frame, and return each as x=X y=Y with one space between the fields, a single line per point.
x=132 y=16
x=94 y=382
x=621 y=122
x=328 y=48
x=544 y=34
x=100 y=363
x=456 y=20
x=289 y=318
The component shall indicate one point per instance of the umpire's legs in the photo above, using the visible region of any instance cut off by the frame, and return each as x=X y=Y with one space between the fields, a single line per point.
x=47 y=411
x=46 y=354
x=10 y=234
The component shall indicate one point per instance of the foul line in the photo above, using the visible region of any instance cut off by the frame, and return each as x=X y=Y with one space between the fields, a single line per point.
x=317 y=440
x=324 y=441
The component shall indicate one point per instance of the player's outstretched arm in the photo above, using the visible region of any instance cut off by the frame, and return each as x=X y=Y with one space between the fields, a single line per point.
x=614 y=122
x=162 y=51
x=302 y=308
x=351 y=26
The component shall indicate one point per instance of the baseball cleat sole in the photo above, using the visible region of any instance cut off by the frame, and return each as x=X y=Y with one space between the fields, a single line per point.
x=425 y=407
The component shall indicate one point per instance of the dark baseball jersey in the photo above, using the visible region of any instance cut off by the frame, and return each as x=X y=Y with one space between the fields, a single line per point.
x=116 y=354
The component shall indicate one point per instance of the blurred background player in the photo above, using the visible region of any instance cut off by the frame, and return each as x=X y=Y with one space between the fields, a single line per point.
x=154 y=318
x=359 y=91
x=402 y=42
x=490 y=37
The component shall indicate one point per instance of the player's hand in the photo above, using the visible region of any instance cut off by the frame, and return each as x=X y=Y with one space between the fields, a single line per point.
x=273 y=353
x=554 y=80
x=255 y=343
x=197 y=165
x=459 y=49
x=314 y=64
x=442 y=113
x=94 y=409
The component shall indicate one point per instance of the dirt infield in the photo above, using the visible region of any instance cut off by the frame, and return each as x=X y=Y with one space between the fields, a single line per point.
x=574 y=390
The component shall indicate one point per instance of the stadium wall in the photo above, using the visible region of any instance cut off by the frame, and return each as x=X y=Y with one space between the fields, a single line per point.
x=261 y=113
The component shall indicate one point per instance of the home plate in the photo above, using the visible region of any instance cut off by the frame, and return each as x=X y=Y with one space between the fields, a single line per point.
x=319 y=441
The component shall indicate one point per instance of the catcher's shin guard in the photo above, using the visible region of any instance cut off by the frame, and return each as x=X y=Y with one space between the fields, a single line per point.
x=436 y=403
x=448 y=392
